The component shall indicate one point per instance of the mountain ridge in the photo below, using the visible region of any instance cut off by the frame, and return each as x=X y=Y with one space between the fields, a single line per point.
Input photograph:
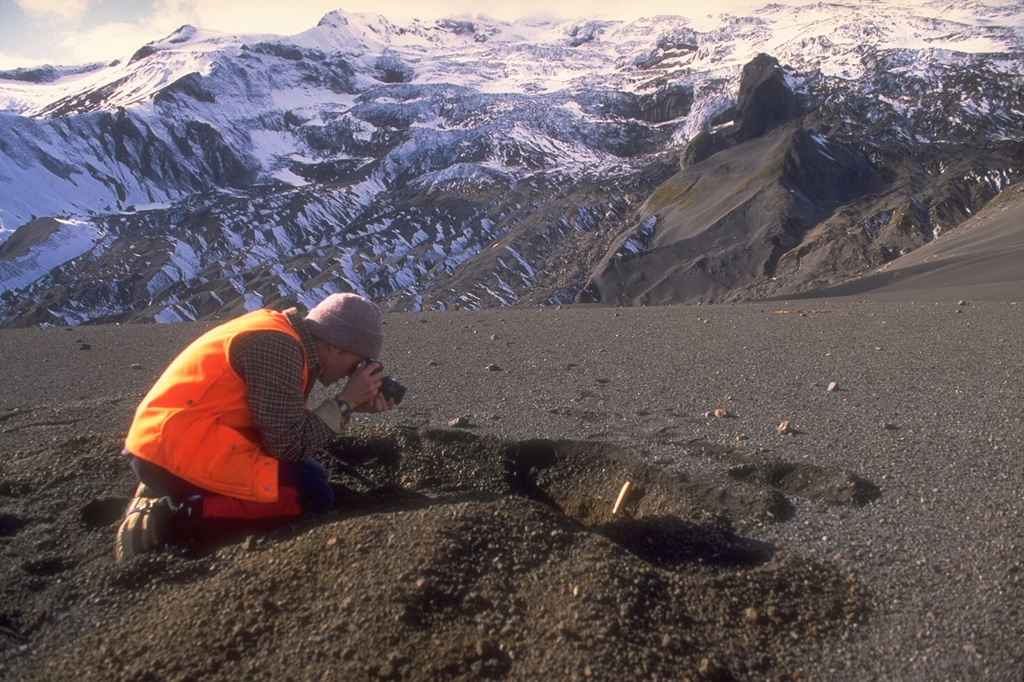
x=472 y=163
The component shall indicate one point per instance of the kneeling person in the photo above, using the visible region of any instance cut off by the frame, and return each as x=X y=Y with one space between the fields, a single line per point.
x=226 y=431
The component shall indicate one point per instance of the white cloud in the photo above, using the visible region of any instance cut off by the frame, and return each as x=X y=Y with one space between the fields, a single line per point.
x=103 y=43
x=7 y=62
x=58 y=9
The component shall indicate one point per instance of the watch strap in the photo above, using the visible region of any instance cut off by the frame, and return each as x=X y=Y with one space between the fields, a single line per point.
x=346 y=409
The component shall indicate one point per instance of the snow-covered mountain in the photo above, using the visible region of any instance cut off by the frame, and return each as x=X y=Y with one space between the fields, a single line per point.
x=469 y=162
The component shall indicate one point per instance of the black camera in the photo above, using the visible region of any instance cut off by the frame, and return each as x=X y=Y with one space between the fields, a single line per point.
x=392 y=390
x=389 y=388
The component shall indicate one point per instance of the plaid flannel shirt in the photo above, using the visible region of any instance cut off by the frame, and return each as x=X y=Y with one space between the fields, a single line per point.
x=270 y=364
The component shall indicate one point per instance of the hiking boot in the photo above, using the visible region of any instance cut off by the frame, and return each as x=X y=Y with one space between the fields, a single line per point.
x=145 y=524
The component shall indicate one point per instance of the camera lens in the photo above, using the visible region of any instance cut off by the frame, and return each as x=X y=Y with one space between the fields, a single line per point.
x=392 y=390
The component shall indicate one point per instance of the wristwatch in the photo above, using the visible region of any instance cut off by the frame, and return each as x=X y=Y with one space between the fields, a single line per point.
x=346 y=409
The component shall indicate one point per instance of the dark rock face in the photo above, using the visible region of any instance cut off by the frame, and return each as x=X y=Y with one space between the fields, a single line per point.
x=190 y=85
x=764 y=102
x=667 y=104
x=46 y=74
x=27 y=236
x=826 y=172
x=393 y=70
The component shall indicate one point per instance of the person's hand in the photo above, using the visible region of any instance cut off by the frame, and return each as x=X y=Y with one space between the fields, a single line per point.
x=363 y=388
x=376 y=404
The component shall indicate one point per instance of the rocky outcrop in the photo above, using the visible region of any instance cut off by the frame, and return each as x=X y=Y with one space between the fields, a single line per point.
x=784 y=213
x=764 y=102
x=667 y=104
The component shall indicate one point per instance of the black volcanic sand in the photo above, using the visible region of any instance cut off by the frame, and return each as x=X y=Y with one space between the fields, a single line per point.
x=880 y=539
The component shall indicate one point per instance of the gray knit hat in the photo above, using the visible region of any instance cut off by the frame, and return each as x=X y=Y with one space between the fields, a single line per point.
x=348 y=321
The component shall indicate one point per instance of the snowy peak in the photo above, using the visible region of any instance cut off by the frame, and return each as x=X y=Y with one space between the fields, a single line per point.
x=532 y=56
x=466 y=161
x=131 y=82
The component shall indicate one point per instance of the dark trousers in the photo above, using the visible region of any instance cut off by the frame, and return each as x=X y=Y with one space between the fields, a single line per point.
x=303 y=486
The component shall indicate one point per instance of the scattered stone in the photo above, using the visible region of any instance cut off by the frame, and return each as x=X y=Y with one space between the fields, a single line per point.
x=889 y=426
x=460 y=423
x=432 y=363
x=710 y=670
x=85 y=346
x=786 y=429
x=136 y=365
x=752 y=615
x=721 y=413
x=832 y=387
x=493 y=368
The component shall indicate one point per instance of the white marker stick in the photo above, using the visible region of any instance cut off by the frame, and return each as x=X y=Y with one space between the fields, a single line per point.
x=622 y=496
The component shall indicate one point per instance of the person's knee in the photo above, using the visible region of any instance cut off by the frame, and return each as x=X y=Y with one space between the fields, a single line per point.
x=318 y=499
x=315 y=493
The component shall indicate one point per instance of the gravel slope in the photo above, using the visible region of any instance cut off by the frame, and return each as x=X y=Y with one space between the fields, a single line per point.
x=882 y=539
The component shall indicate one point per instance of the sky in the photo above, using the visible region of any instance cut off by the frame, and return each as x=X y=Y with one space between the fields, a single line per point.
x=69 y=32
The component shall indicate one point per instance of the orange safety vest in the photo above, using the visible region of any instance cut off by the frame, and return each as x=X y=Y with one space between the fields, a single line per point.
x=195 y=422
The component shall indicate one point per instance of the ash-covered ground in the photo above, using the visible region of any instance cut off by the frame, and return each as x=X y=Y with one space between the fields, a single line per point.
x=880 y=537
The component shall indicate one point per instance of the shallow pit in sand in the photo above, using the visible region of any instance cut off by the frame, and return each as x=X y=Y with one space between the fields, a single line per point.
x=449 y=556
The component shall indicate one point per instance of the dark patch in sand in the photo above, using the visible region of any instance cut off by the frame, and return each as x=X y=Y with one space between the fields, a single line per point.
x=13 y=489
x=812 y=482
x=576 y=478
x=450 y=556
x=48 y=566
x=104 y=511
x=11 y=524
